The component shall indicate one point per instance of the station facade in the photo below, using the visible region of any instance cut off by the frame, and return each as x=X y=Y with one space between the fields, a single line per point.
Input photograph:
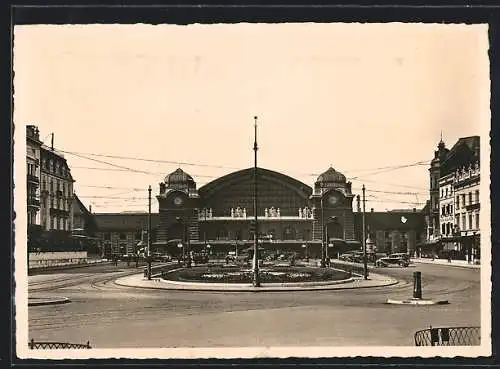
x=292 y=216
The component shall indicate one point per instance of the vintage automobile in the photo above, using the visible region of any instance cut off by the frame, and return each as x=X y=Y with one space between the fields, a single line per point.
x=200 y=258
x=401 y=255
x=391 y=261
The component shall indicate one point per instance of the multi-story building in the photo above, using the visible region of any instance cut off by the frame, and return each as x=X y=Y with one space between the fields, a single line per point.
x=85 y=228
x=120 y=233
x=397 y=231
x=57 y=191
x=292 y=217
x=33 y=145
x=456 y=195
x=446 y=205
x=433 y=228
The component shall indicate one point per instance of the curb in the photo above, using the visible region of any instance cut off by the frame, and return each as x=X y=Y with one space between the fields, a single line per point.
x=248 y=288
x=471 y=266
x=417 y=302
x=41 y=270
x=47 y=301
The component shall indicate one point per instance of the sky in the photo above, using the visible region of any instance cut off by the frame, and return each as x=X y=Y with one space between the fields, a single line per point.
x=353 y=96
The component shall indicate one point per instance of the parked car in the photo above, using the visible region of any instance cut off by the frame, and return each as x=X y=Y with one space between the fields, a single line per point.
x=165 y=258
x=391 y=261
x=401 y=255
x=200 y=258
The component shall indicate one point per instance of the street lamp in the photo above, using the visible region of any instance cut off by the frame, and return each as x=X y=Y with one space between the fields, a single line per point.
x=325 y=232
x=185 y=236
x=149 y=234
x=180 y=246
x=322 y=264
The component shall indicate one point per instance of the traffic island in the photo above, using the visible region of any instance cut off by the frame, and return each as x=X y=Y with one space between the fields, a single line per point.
x=417 y=295
x=139 y=281
x=47 y=300
x=414 y=301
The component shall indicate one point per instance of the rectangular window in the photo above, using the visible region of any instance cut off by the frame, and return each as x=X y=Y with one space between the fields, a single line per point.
x=457 y=221
x=470 y=198
x=51 y=222
x=457 y=205
x=464 y=225
x=107 y=236
x=477 y=196
x=122 y=236
x=477 y=220
x=470 y=220
x=463 y=200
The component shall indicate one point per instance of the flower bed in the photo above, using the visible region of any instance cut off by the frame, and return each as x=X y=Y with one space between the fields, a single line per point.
x=244 y=275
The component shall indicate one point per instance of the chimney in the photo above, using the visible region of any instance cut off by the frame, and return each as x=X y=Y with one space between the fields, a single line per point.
x=358 y=206
x=371 y=210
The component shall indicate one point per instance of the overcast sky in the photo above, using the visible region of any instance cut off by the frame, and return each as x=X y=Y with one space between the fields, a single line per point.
x=354 y=96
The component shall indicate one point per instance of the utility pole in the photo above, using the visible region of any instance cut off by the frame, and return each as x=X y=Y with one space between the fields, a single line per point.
x=365 y=265
x=256 y=279
x=322 y=264
x=149 y=234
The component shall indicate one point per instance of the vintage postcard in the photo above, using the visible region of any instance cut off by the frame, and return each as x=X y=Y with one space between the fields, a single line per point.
x=252 y=190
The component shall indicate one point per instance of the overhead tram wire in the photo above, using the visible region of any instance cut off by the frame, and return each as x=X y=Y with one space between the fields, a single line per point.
x=152 y=160
x=120 y=157
x=117 y=167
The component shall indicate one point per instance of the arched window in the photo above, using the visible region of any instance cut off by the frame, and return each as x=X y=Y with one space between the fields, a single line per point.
x=222 y=234
x=289 y=233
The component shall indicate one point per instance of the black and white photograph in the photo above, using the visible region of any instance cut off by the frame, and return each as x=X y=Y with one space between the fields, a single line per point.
x=252 y=190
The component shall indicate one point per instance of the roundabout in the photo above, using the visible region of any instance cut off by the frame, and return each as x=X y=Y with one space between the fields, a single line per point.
x=271 y=274
x=238 y=279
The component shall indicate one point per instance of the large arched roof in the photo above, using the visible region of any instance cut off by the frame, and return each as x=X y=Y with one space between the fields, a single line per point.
x=228 y=179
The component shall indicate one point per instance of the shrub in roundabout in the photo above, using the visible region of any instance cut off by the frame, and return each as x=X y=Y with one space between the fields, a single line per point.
x=219 y=274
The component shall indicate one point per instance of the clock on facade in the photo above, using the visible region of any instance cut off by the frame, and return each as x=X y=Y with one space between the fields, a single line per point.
x=178 y=200
x=332 y=199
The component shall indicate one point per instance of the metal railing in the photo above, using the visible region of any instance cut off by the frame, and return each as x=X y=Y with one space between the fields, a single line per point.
x=57 y=345
x=449 y=336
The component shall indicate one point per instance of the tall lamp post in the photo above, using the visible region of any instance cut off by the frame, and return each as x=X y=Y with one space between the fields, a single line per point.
x=256 y=279
x=149 y=233
x=323 y=258
x=365 y=261
x=186 y=241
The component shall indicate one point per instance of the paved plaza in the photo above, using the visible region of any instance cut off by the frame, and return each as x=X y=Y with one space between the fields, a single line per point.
x=116 y=316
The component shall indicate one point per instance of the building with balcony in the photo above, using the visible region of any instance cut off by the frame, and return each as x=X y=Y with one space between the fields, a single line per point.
x=33 y=145
x=457 y=171
x=56 y=191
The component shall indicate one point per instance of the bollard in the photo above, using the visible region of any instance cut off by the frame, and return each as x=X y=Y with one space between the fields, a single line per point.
x=417 y=285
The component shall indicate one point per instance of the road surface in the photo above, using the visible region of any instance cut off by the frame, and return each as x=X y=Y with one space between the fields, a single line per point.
x=111 y=316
